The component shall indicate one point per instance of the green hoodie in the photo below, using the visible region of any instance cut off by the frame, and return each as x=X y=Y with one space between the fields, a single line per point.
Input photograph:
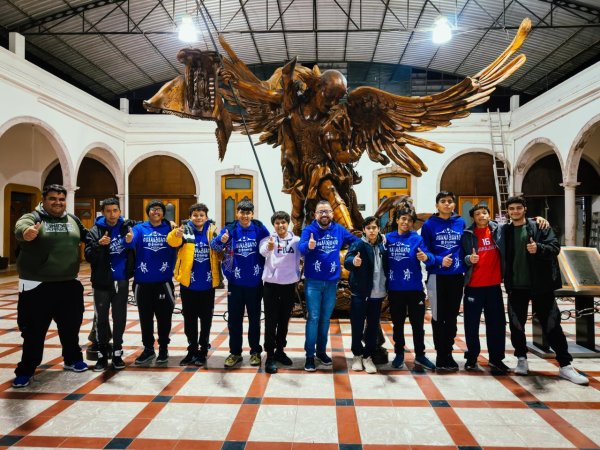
x=54 y=254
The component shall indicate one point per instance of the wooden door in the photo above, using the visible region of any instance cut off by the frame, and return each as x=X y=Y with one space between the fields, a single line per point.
x=390 y=185
x=465 y=203
x=234 y=189
x=20 y=203
x=85 y=209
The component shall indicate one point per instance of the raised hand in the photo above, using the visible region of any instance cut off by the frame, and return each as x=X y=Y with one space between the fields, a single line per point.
x=474 y=257
x=357 y=261
x=311 y=242
x=271 y=244
x=179 y=231
x=129 y=236
x=104 y=240
x=421 y=256
x=532 y=246
x=225 y=236
x=447 y=261
x=32 y=232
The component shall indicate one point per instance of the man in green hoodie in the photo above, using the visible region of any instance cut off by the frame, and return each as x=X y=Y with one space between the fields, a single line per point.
x=48 y=264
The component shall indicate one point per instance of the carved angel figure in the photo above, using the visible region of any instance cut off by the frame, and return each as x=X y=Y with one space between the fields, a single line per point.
x=298 y=109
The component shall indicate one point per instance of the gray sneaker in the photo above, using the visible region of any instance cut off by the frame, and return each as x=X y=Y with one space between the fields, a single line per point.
x=569 y=373
x=522 y=366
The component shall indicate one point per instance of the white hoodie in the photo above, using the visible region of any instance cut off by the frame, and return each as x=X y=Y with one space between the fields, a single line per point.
x=282 y=264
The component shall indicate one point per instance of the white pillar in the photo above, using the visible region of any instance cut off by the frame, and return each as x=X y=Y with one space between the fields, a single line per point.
x=514 y=102
x=570 y=212
x=71 y=198
x=16 y=44
x=121 y=198
x=124 y=105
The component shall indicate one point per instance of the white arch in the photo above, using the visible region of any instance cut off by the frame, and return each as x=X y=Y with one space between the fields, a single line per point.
x=69 y=176
x=576 y=150
x=172 y=155
x=454 y=157
x=528 y=157
x=108 y=157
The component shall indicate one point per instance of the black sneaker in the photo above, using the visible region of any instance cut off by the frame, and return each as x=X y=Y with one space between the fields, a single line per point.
x=309 y=365
x=499 y=366
x=189 y=359
x=200 y=360
x=451 y=365
x=146 y=357
x=472 y=366
x=163 y=356
x=325 y=359
x=117 y=360
x=270 y=366
x=101 y=364
x=282 y=358
x=441 y=362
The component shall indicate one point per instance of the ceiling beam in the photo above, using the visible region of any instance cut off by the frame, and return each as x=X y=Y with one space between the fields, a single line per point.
x=368 y=68
x=575 y=6
x=250 y=30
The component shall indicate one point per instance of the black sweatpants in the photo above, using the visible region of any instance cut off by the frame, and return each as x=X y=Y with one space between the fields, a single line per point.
x=279 y=301
x=445 y=294
x=104 y=300
x=411 y=303
x=546 y=310
x=155 y=299
x=197 y=305
x=61 y=301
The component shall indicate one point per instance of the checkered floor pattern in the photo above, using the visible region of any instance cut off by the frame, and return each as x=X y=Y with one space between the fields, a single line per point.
x=177 y=407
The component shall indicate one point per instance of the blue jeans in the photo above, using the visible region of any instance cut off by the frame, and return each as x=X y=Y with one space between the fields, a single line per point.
x=320 y=301
x=365 y=309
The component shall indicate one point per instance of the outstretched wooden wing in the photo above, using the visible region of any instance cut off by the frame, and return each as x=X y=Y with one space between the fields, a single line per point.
x=381 y=122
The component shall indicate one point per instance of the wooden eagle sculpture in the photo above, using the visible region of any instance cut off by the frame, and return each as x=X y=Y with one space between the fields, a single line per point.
x=298 y=109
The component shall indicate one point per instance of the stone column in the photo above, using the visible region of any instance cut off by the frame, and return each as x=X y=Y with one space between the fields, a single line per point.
x=122 y=201
x=570 y=212
x=71 y=198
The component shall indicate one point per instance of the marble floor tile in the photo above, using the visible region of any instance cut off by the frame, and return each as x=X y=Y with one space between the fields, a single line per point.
x=546 y=388
x=465 y=387
x=304 y=385
x=380 y=386
x=274 y=423
x=58 y=381
x=316 y=424
x=585 y=420
x=218 y=384
x=136 y=382
x=14 y=413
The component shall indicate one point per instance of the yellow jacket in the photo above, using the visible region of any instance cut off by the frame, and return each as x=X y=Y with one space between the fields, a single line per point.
x=185 y=256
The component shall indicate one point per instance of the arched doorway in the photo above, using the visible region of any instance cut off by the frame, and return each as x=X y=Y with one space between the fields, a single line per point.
x=471 y=178
x=164 y=178
x=95 y=183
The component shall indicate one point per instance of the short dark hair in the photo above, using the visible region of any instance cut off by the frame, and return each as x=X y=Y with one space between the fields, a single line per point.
x=477 y=207
x=443 y=194
x=405 y=212
x=109 y=201
x=322 y=202
x=516 y=199
x=280 y=215
x=245 y=205
x=155 y=203
x=369 y=220
x=54 y=188
x=198 y=207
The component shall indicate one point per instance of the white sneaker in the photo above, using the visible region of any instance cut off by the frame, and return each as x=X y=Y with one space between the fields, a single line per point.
x=369 y=365
x=522 y=366
x=357 y=363
x=569 y=373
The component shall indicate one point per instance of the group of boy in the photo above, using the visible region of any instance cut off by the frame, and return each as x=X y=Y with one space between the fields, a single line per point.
x=262 y=265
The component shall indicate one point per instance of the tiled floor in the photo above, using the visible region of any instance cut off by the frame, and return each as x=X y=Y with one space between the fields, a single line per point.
x=177 y=407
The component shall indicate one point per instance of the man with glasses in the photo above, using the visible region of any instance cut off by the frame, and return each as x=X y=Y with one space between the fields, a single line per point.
x=320 y=244
x=48 y=264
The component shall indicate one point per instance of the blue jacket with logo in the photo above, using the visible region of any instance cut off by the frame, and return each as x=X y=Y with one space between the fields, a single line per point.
x=404 y=269
x=154 y=258
x=443 y=237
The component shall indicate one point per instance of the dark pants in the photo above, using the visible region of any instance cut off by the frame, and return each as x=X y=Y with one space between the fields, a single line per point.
x=279 y=301
x=411 y=303
x=446 y=304
x=197 y=305
x=104 y=300
x=61 y=301
x=489 y=300
x=155 y=299
x=240 y=298
x=547 y=312
x=365 y=309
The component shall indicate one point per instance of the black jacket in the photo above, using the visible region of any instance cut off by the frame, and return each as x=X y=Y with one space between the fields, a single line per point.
x=543 y=265
x=361 y=278
x=99 y=255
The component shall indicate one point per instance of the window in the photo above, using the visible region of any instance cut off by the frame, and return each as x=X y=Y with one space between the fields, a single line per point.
x=389 y=185
x=234 y=189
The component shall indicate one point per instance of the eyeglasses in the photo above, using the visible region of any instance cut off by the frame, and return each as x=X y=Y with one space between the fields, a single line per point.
x=323 y=212
x=157 y=209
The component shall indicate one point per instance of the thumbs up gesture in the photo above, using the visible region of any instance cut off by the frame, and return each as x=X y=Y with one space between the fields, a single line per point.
x=447 y=261
x=179 y=231
x=474 y=257
x=225 y=236
x=129 y=236
x=104 y=240
x=421 y=256
x=32 y=232
x=311 y=242
x=271 y=244
x=532 y=246
x=357 y=261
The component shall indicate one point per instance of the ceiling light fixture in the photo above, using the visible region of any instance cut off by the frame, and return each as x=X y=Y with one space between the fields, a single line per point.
x=442 y=32
x=187 y=29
